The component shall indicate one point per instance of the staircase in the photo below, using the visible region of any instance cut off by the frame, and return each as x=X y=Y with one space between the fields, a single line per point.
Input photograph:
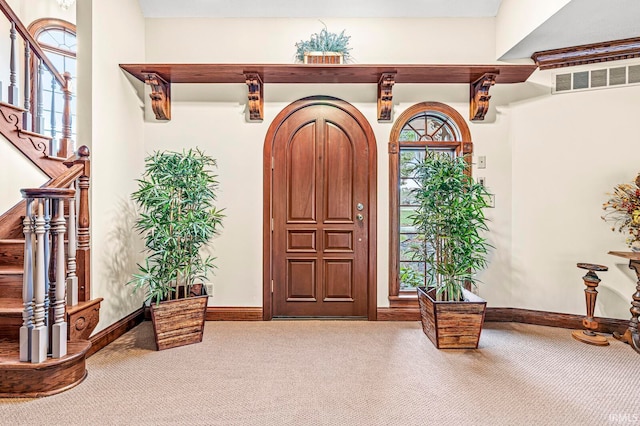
x=46 y=310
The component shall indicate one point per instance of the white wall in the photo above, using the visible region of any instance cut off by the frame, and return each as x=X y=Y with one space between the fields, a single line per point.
x=16 y=172
x=569 y=150
x=273 y=40
x=212 y=117
x=544 y=221
x=110 y=123
x=518 y=18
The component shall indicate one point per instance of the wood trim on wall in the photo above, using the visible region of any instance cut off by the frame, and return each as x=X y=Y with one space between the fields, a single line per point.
x=524 y=316
x=115 y=330
x=233 y=313
x=588 y=53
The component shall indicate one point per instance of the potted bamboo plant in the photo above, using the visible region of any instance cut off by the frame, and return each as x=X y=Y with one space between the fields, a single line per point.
x=175 y=198
x=324 y=48
x=450 y=222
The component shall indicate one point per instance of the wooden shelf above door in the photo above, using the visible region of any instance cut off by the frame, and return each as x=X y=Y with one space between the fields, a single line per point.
x=480 y=77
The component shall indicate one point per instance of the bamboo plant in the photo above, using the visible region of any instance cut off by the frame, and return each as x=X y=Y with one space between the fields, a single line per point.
x=175 y=197
x=450 y=221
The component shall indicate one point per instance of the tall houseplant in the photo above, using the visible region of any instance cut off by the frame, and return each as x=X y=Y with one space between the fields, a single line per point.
x=176 y=196
x=450 y=221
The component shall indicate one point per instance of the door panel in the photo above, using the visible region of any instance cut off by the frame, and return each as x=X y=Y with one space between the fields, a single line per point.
x=339 y=173
x=301 y=161
x=320 y=246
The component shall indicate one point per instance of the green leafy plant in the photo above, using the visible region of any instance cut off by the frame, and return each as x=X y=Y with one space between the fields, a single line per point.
x=324 y=41
x=177 y=218
x=451 y=219
x=410 y=277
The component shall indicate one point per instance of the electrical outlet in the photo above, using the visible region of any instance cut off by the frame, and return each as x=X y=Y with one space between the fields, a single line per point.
x=492 y=201
x=209 y=289
x=482 y=161
x=482 y=180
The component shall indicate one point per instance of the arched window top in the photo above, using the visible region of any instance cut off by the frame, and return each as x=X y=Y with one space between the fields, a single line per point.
x=429 y=126
x=55 y=35
x=61 y=39
x=430 y=122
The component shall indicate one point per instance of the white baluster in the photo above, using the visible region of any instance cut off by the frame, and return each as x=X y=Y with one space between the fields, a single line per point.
x=47 y=261
x=27 y=286
x=40 y=340
x=72 y=279
x=59 y=329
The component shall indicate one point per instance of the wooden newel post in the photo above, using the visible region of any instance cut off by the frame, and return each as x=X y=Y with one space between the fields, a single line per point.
x=66 y=144
x=83 y=254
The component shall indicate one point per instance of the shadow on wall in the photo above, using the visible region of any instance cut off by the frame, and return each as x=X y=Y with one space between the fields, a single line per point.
x=613 y=302
x=120 y=257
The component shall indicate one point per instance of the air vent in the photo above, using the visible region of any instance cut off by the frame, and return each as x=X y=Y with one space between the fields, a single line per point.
x=597 y=79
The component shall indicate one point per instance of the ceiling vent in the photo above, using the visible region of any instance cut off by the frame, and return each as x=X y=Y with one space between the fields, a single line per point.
x=596 y=79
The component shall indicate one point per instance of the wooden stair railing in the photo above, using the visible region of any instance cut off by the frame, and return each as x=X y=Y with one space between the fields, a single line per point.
x=44 y=299
x=35 y=64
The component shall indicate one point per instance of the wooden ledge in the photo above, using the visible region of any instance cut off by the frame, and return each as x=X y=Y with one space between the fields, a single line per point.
x=255 y=76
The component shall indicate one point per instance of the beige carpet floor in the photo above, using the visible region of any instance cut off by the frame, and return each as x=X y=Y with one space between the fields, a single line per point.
x=347 y=373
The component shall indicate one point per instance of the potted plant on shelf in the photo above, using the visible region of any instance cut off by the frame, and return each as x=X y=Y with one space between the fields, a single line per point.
x=450 y=222
x=324 y=48
x=177 y=218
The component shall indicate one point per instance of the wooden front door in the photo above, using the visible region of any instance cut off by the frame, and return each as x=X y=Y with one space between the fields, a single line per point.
x=322 y=194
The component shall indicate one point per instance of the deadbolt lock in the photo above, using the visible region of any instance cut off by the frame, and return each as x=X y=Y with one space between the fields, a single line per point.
x=360 y=207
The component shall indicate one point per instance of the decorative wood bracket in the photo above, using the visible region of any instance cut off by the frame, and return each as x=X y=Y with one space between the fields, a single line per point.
x=385 y=96
x=393 y=147
x=256 y=97
x=160 y=95
x=479 y=103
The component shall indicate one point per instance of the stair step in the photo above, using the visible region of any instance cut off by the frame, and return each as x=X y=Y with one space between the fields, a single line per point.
x=10 y=307
x=10 y=318
x=12 y=252
x=23 y=379
x=11 y=270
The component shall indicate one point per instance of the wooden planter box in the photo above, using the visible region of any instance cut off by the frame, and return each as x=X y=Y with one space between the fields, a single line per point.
x=323 y=58
x=178 y=322
x=452 y=325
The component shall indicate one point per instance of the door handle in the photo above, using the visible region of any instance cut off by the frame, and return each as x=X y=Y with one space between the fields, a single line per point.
x=360 y=217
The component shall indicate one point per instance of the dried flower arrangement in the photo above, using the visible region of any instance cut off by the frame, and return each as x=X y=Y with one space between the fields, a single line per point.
x=623 y=210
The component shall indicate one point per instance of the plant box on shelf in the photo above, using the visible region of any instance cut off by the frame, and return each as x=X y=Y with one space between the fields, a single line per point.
x=323 y=58
x=452 y=325
x=178 y=322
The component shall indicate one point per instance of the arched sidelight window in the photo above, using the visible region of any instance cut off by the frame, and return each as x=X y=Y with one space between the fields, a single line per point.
x=57 y=38
x=430 y=125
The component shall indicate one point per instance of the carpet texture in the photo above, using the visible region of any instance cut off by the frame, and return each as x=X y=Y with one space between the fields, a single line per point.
x=347 y=373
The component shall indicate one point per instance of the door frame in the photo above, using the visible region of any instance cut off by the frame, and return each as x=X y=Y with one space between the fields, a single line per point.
x=267 y=270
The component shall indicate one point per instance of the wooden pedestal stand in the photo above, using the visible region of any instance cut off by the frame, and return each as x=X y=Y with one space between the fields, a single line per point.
x=631 y=336
x=591 y=280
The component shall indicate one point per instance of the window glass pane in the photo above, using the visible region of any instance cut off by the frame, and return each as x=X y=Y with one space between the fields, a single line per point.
x=411 y=275
x=406 y=191
x=409 y=245
x=59 y=38
x=406 y=223
x=408 y=158
x=409 y=135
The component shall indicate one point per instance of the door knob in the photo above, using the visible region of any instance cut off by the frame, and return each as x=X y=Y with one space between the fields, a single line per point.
x=360 y=217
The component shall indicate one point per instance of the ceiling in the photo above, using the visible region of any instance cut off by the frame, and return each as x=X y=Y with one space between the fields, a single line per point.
x=579 y=22
x=319 y=9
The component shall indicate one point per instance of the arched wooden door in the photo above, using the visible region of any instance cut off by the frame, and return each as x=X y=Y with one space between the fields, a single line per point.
x=319 y=210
